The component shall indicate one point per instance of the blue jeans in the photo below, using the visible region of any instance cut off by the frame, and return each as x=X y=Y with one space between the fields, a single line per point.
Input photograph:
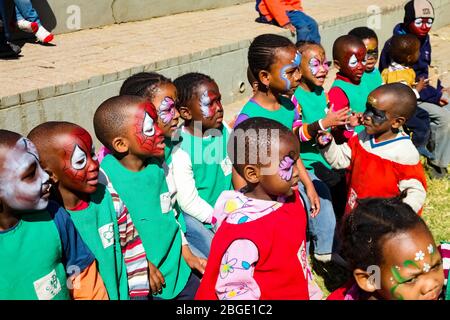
x=25 y=10
x=440 y=132
x=307 y=28
x=189 y=291
x=198 y=236
x=322 y=227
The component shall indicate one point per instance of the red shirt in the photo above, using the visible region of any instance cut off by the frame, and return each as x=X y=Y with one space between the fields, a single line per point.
x=281 y=241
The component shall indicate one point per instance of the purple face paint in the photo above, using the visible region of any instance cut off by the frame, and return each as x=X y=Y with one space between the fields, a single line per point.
x=286 y=168
x=205 y=105
x=166 y=110
x=295 y=64
x=315 y=64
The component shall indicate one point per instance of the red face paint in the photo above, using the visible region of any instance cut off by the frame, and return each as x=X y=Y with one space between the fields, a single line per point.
x=353 y=64
x=80 y=163
x=148 y=135
x=421 y=26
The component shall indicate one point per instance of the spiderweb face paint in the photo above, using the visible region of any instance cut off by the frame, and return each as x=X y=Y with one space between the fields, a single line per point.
x=148 y=134
x=295 y=64
x=23 y=183
x=206 y=107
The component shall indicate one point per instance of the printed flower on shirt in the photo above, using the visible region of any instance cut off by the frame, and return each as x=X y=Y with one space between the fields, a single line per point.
x=227 y=266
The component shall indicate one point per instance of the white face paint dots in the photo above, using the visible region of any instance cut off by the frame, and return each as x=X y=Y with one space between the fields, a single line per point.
x=148 y=129
x=79 y=158
x=24 y=185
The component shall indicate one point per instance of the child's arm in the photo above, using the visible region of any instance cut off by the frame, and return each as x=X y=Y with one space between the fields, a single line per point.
x=194 y=262
x=416 y=193
x=187 y=194
x=309 y=188
x=235 y=281
x=332 y=119
x=81 y=268
x=338 y=156
x=338 y=101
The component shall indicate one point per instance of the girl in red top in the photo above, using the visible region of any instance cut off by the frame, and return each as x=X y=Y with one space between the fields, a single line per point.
x=259 y=249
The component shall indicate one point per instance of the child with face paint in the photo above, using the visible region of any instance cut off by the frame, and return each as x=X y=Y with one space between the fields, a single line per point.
x=418 y=20
x=391 y=252
x=259 y=249
x=310 y=99
x=275 y=63
x=201 y=167
x=126 y=125
x=371 y=78
x=43 y=256
x=347 y=91
x=67 y=155
x=381 y=161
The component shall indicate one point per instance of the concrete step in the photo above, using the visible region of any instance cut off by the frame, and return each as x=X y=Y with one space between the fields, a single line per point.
x=69 y=80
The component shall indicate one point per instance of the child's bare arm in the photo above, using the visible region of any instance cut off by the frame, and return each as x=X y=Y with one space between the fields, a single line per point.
x=194 y=262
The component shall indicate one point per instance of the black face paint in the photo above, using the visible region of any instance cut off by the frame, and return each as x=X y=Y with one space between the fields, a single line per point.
x=377 y=116
x=372 y=54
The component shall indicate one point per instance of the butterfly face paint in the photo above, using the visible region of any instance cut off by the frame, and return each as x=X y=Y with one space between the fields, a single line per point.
x=294 y=65
x=148 y=135
x=166 y=110
x=315 y=65
x=421 y=26
x=80 y=164
x=286 y=168
x=24 y=185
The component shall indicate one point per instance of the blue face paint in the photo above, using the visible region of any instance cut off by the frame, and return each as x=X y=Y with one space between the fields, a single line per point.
x=295 y=64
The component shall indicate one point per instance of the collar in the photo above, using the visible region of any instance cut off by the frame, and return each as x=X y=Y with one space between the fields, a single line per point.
x=394 y=66
x=339 y=76
x=400 y=136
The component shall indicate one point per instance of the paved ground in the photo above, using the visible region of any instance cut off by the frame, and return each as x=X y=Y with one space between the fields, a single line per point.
x=440 y=40
x=84 y=54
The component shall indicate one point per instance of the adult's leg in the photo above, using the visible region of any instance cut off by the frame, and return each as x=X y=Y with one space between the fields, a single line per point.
x=440 y=132
x=198 y=236
x=307 y=27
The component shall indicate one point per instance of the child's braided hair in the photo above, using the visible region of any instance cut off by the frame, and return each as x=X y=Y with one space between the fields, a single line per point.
x=187 y=84
x=143 y=84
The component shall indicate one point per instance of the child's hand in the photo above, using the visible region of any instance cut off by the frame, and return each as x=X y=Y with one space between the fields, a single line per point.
x=335 y=118
x=355 y=119
x=194 y=262
x=422 y=83
x=291 y=28
x=232 y=121
x=443 y=101
x=324 y=138
x=156 y=278
x=314 y=200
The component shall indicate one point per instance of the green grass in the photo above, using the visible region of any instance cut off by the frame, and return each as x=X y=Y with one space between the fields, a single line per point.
x=436 y=214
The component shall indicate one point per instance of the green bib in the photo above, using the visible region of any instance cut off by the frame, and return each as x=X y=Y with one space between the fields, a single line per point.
x=31 y=266
x=357 y=97
x=210 y=164
x=371 y=80
x=97 y=225
x=285 y=115
x=313 y=105
x=147 y=198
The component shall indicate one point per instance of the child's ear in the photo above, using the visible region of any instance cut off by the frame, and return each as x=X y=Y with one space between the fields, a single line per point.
x=337 y=65
x=364 y=280
x=251 y=174
x=398 y=122
x=185 y=113
x=264 y=77
x=120 y=144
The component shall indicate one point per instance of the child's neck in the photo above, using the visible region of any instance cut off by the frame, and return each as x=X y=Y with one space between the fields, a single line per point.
x=347 y=78
x=132 y=162
x=268 y=100
x=7 y=220
x=307 y=86
x=388 y=135
x=71 y=199
x=259 y=193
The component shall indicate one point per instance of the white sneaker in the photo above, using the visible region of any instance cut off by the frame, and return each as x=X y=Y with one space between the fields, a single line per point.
x=43 y=35
x=28 y=26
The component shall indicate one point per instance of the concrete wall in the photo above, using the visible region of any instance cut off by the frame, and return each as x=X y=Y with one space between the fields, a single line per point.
x=61 y=15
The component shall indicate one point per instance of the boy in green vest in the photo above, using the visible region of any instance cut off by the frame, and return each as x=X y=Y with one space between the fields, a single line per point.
x=43 y=256
x=371 y=78
x=349 y=57
x=67 y=155
x=201 y=167
x=126 y=125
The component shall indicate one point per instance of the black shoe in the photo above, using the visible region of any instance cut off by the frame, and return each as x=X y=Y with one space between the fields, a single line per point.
x=436 y=172
x=9 y=49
